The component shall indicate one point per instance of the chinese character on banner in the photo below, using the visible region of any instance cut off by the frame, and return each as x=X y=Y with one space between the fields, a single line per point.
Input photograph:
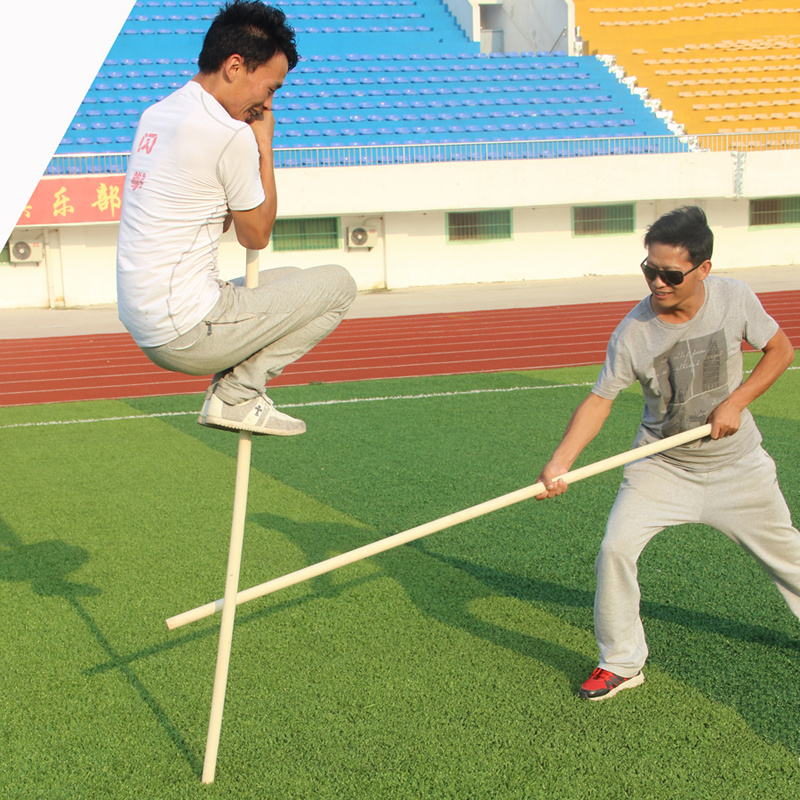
x=61 y=205
x=27 y=212
x=108 y=198
x=137 y=181
x=147 y=143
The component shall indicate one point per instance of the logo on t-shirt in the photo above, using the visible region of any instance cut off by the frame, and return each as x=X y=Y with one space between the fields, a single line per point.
x=137 y=181
x=147 y=143
x=693 y=378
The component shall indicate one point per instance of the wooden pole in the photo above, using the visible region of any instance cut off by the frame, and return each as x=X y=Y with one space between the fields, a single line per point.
x=437 y=525
x=232 y=579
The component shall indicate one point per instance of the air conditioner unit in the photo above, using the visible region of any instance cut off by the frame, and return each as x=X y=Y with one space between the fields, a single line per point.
x=21 y=251
x=361 y=237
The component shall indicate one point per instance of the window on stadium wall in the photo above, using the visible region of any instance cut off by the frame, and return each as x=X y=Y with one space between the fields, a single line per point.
x=314 y=233
x=770 y=211
x=5 y=255
x=603 y=220
x=478 y=226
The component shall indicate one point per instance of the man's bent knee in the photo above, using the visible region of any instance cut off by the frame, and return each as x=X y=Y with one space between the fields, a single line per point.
x=343 y=282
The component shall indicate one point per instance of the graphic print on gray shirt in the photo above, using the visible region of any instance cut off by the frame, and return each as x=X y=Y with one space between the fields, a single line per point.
x=687 y=370
x=694 y=380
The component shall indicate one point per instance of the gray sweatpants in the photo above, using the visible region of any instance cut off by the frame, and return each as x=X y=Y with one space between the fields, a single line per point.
x=252 y=334
x=742 y=500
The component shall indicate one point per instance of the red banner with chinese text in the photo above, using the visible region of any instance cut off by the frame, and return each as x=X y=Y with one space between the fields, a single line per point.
x=74 y=200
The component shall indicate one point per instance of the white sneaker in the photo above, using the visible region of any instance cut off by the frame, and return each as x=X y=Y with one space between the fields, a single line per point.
x=258 y=415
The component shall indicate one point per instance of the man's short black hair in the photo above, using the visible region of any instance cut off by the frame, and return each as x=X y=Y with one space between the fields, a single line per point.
x=685 y=227
x=251 y=29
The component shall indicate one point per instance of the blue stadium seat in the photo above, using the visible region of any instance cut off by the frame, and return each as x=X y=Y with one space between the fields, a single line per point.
x=371 y=77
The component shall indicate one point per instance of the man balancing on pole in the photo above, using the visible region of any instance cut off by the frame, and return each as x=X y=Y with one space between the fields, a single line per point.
x=683 y=345
x=202 y=158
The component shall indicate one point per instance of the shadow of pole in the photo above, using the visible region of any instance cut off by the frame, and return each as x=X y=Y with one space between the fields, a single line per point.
x=119 y=663
x=46 y=565
x=429 y=583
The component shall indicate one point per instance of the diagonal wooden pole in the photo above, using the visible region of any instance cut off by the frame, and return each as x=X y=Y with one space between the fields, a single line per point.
x=382 y=545
x=232 y=579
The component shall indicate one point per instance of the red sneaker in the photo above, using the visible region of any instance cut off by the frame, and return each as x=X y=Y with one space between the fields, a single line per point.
x=602 y=684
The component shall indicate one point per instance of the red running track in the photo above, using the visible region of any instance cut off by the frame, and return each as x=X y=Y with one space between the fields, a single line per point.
x=111 y=366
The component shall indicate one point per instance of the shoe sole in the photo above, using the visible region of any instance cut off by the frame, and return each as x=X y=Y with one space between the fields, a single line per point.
x=225 y=425
x=636 y=680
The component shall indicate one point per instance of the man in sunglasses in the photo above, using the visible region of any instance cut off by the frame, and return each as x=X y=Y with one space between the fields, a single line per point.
x=683 y=345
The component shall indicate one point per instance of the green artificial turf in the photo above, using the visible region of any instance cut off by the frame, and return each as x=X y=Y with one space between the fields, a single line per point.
x=442 y=669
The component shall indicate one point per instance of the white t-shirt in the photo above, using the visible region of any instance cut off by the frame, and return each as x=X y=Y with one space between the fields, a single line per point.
x=191 y=162
x=687 y=370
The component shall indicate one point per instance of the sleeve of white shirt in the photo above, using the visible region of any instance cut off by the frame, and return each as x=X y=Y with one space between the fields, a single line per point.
x=238 y=172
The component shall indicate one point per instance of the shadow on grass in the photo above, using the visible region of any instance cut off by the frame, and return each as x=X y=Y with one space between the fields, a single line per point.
x=46 y=565
x=429 y=581
x=761 y=685
x=435 y=584
x=556 y=595
x=431 y=584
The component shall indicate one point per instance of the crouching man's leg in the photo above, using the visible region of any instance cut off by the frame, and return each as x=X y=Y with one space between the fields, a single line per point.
x=251 y=335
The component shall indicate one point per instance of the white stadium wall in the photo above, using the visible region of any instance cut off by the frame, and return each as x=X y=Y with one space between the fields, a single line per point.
x=407 y=205
x=543 y=26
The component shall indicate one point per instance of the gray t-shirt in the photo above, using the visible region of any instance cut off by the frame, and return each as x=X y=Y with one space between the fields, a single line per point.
x=687 y=370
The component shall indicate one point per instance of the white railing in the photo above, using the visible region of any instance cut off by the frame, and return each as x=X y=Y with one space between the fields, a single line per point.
x=372 y=155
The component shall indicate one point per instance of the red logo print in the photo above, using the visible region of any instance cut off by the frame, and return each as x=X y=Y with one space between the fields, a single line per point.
x=137 y=181
x=147 y=143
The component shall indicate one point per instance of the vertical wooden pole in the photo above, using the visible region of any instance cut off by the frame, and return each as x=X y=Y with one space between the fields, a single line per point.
x=232 y=579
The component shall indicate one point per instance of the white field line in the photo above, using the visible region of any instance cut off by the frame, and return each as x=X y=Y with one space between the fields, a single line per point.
x=386 y=398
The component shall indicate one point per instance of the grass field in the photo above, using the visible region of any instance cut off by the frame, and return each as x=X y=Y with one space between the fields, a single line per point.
x=443 y=669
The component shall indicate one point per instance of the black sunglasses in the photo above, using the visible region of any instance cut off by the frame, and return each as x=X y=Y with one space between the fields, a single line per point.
x=674 y=277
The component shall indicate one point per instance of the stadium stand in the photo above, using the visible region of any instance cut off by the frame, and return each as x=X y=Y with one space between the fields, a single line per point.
x=374 y=73
x=721 y=66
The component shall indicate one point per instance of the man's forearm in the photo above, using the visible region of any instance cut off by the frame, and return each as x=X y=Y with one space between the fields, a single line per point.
x=254 y=227
x=585 y=424
x=725 y=419
x=266 y=166
x=778 y=355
